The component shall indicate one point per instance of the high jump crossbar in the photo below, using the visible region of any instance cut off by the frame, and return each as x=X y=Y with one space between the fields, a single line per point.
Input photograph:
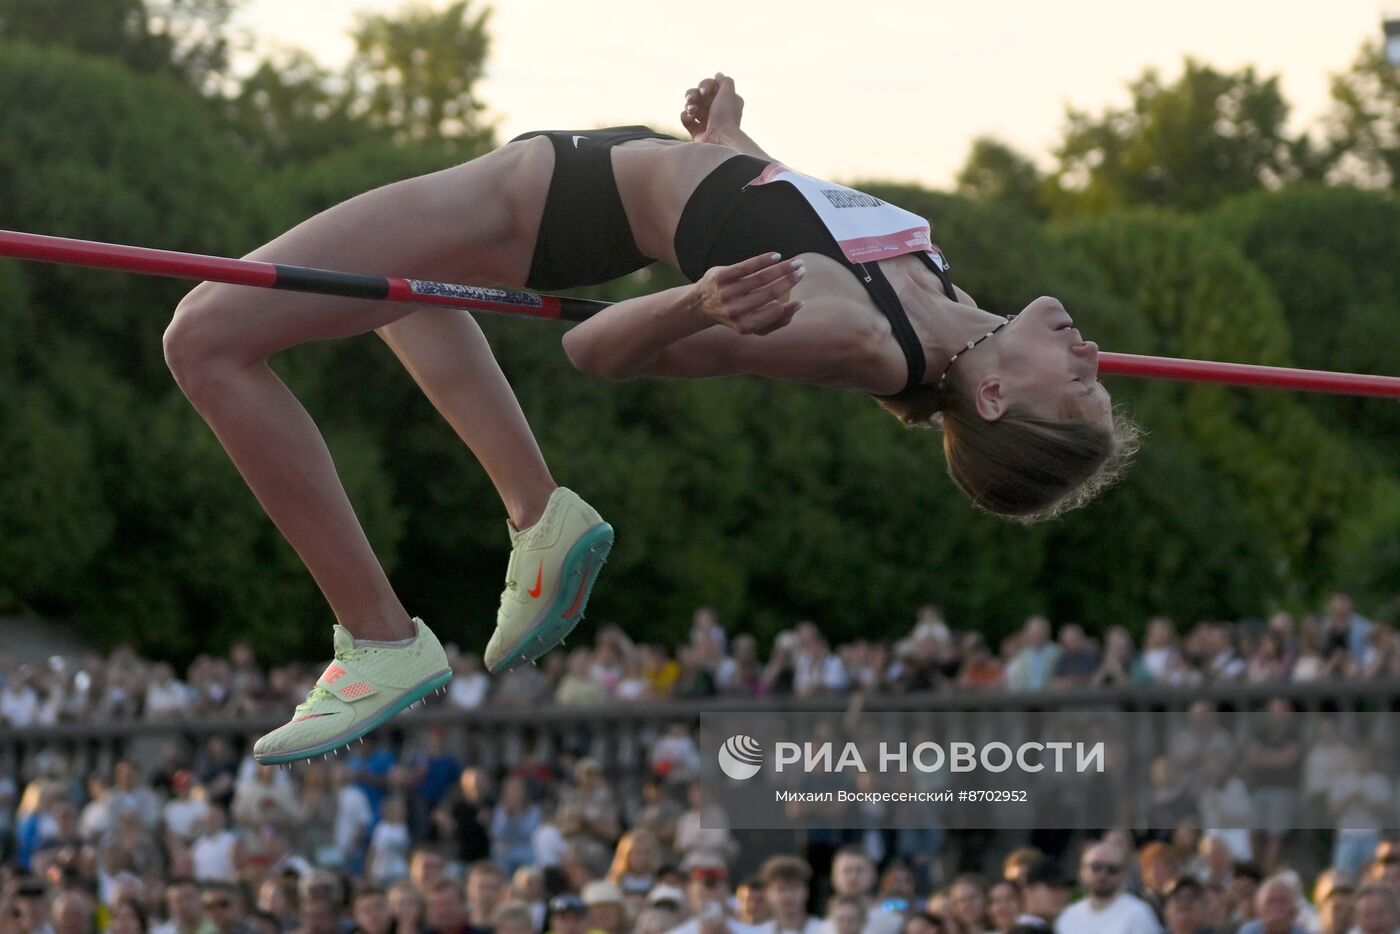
x=516 y=303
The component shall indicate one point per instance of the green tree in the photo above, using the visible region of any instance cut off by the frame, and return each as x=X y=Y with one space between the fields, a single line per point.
x=1184 y=144
x=996 y=172
x=413 y=73
x=1330 y=254
x=1294 y=476
x=183 y=38
x=1365 y=118
x=288 y=112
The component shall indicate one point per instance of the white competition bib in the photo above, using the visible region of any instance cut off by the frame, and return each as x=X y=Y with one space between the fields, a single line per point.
x=866 y=228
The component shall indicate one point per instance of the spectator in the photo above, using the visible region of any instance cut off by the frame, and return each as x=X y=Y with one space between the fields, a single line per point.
x=19 y=702
x=1044 y=893
x=1116 y=669
x=1344 y=629
x=967 y=900
x=1333 y=895
x=1078 y=660
x=1376 y=910
x=603 y=900
x=1034 y=664
x=74 y=913
x=513 y=826
x=183 y=908
x=167 y=697
x=1160 y=659
x=1270 y=662
x=675 y=756
x=277 y=898
x=407 y=904
x=817 y=670
x=266 y=800
x=1183 y=904
x=753 y=907
x=567 y=915
x=463 y=818
x=845 y=914
x=485 y=890
x=128 y=917
x=184 y=810
x=444 y=912
x=786 y=881
x=353 y=818
x=1004 y=905
x=432 y=771
x=127 y=795
x=1328 y=756
x=579 y=688
x=1201 y=741
x=1360 y=801
x=636 y=860
x=215 y=850
x=1275 y=759
x=741 y=672
x=470 y=684
x=223 y=909
x=708 y=898
x=1226 y=808
x=370 y=911
x=1106 y=905
x=1276 y=904
x=1170 y=803
x=588 y=810
x=704 y=828
x=389 y=843
x=981 y=670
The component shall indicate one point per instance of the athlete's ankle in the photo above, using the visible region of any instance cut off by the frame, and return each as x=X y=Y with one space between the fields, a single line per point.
x=387 y=627
x=526 y=511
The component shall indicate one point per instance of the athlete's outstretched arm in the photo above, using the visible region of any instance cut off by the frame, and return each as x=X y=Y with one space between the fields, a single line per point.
x=712 y=113
x=626 y=339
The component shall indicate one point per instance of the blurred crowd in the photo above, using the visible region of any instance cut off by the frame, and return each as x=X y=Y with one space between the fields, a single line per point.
x=406 y=835
x=1336 y=643
x=410 y=841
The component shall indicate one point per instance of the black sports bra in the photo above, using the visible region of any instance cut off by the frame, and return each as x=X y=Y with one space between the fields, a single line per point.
x=726 y=221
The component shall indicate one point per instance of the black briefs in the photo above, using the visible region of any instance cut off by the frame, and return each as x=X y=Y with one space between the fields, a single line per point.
x=727 y=221
x=584 y=236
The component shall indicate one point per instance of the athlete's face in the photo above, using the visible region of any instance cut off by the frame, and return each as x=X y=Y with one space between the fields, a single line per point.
x=1041 y=364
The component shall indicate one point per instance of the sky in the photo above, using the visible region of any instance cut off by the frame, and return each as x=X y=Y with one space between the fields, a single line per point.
x=891 y=90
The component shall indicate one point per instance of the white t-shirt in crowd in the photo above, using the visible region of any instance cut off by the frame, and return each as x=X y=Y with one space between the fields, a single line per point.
x=352 y=815
x=1126 y=914
x=468 y=692
x=19 y=708
x=183 y=816
x=389 y=848
x=213 y=857
x=163 y=699
x=809 y=926
x=548 y=844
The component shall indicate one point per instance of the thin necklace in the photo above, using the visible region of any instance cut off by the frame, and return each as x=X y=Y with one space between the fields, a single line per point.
x=943 y=377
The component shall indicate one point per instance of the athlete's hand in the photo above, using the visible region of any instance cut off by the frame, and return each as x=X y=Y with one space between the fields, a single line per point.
x=712 y=108
x=751 y=297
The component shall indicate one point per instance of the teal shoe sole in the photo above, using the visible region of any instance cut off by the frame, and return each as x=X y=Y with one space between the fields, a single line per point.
x=581 y=567
x=410 y=697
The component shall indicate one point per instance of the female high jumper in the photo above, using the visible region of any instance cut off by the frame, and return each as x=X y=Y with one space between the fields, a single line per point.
x=792 y=277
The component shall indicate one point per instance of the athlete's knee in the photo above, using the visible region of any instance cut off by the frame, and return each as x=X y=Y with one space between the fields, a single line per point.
x=196 y=344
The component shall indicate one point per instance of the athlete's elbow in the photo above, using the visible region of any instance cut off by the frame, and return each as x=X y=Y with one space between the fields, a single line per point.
x=584 y=354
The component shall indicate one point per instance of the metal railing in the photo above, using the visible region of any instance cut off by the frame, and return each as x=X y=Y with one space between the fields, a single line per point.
x=619 y=735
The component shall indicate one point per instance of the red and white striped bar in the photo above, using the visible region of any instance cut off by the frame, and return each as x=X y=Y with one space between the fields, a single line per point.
x=172 y=264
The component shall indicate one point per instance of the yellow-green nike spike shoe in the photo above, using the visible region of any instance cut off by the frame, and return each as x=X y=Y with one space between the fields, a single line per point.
x=552 y=567
x=363 y=687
